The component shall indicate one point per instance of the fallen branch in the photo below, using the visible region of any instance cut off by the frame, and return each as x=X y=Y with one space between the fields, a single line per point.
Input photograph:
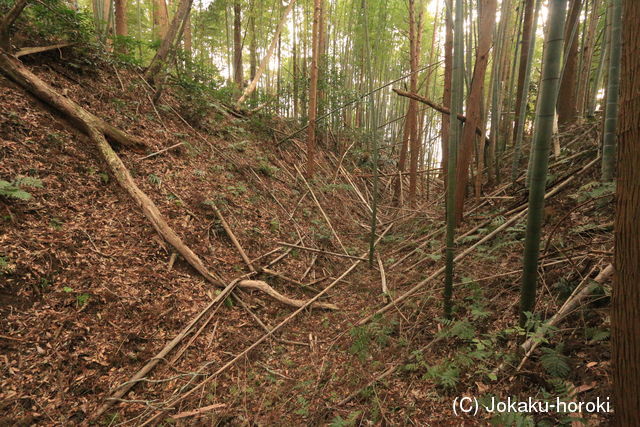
x=31 y=50
x=574 y=300
x=175 y=401
x=383 y=278
x=121 y=390
x=324 y=215
x=198 y=411
x=232 y=236
x=436 y=107
x=262 y=286
x=320 y=251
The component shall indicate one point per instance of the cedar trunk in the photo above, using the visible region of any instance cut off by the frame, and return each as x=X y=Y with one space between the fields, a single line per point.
x=237 y=44
x=567 y=105
x=313 y=89
x=446 y=94
x=474 y=102
x=625 y=313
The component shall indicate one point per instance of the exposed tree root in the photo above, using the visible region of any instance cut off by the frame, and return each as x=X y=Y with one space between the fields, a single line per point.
x=96 y=129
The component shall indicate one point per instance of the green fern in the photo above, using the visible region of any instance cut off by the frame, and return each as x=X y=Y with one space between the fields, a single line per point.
x=348 y=422
x=14 y=190
x=445 y=375
x=554 y=362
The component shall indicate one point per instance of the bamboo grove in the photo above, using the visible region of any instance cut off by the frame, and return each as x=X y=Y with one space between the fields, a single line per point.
x=481 y=85
x=464 y=95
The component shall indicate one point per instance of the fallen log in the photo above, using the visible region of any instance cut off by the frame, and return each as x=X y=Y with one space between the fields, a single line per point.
x=82 y=118
x=31 y=50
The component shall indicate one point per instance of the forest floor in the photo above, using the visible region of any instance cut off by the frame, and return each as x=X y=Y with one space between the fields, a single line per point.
x=89 y=293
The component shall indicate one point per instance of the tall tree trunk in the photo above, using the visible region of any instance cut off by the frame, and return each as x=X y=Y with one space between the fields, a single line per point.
x=415 y=33
x=121 y=18
x=457 y=94
x=446 y=93
x=237 y=44
x=294 y=59
x=188 y=39
x=613 y=84
x=160 y=19
x=597 y=78
x=313 y=89
x=253 y=55
x=523 y=98
x=551 y=67
x=567 y=107
x=587 y=57
x=161 y=57
x=527 y=29
x=6 y=22
x=265 y=60
x=474 y=102
x=625 y=312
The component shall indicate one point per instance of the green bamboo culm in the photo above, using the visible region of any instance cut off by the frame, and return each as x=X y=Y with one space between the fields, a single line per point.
x=455 y=130
x=613 y=85
x=551 y=67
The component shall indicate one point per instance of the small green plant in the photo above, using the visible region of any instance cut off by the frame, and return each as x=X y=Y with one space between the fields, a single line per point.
x=304 y=406
x=237 y=190
x=274 y=225
x=240 y=146
x=364 y=336
x=154 y=179
x=445 y=375
x=81 y=299
x=554 y=362
x=56 y=223
x=350 y=421
x=5 y=265
x=15 y=189
x=266 y=169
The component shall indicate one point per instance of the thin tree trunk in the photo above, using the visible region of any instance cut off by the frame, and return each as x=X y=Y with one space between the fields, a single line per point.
x=474 y=102
x=415 y=33
x=527 y=29
x=121 y=21
x=253 y=55
x=446 y=94
x=238 y=75
x=551 y=66
x=265 y=60
x=522 y=102
x=625 y=312
x=587 y=57
x=162 y=55
x=313 y=90
x=567 y=107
